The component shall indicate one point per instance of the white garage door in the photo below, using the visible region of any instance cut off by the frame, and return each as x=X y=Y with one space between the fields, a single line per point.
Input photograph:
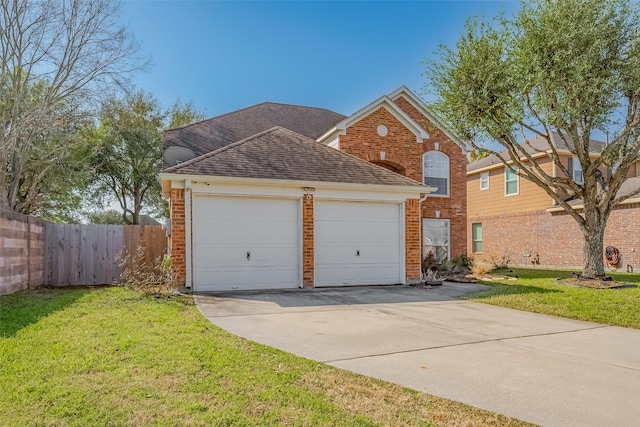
x=357 y=243
x=242 y=243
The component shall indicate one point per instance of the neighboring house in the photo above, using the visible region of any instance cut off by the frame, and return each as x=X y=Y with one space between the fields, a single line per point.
x=261 y=198
x=513 y=219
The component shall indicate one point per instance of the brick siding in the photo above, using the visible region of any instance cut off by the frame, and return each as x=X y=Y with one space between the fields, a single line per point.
x=412 y=240
x=177 y=240
x=308 y=260
x=555 y=237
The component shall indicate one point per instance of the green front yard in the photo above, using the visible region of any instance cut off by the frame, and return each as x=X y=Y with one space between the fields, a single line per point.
x=536 y=290
x=110 y=356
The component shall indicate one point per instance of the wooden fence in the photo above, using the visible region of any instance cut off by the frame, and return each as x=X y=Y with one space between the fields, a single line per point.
x=78 y=254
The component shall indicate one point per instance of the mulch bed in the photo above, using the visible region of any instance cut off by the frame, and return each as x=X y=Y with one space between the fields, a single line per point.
x=587 y=282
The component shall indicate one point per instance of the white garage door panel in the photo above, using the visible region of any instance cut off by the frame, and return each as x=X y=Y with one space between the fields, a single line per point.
x=226 y=228
x=344 y=228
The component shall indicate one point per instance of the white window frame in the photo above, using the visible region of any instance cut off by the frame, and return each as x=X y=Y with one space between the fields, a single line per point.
x=577 y=167
x=473 y=238
x=484 y=181
x=425 y=221
x=516 y=178
x=441 y=171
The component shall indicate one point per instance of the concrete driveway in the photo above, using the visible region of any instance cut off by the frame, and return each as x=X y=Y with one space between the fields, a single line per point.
x=542 y=369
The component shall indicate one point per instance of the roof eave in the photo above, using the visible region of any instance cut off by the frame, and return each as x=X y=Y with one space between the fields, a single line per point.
x=535 y=156
x=417 y=103
x=391 y=107
x=557 y=208
x=417 y=189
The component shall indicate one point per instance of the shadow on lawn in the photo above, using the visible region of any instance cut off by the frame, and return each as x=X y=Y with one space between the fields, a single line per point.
x=22 y=309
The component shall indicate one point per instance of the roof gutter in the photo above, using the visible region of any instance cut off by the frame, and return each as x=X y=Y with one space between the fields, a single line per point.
x=294 y=183
x=581 y=206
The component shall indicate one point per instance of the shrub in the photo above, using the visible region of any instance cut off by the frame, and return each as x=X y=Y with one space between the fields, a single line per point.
x=151 y=278
x=462 y=264
x=445 y=265
x=481 y=267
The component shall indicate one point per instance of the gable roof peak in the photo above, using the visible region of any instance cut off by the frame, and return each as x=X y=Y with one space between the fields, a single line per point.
x=383 y=102
x=419 y=105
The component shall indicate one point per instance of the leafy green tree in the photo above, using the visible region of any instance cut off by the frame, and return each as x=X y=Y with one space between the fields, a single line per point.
x=110 y=216
x=56 y=57
x=128 y=152
x=564 y=66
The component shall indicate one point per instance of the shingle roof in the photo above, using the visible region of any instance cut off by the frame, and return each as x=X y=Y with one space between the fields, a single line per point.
x=538 y=144
x=214 y=133
x=629 y=186
x=280 y=153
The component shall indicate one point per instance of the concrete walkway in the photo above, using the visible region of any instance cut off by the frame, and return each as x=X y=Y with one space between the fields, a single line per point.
x=542 y=369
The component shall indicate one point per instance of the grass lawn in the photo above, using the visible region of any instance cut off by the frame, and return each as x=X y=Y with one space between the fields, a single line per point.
x=110 y=356
x=536 y=290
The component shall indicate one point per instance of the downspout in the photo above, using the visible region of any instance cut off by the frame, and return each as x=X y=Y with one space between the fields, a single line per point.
x=187 y=234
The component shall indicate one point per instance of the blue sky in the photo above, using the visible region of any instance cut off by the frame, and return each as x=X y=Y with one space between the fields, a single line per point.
x=224 y=56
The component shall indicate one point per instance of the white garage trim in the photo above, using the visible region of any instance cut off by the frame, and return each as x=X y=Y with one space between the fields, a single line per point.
x=358 y=243
x=187 y=235
x=243 y=243
x=254 y=186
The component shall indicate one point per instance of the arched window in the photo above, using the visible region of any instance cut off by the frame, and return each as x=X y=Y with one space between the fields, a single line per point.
x=435 y=172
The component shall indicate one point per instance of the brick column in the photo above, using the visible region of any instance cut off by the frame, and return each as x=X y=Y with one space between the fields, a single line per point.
x=412 y=239
x=307 y=241
x=178 y=262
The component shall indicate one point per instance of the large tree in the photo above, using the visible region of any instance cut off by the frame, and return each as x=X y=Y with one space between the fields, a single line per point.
x=56 y=56
x=128 y=152
x=569 y=67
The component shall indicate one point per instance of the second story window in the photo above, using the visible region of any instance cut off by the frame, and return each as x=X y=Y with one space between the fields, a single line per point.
x=575 y=170
x=435 y=172
x=510 y=181
x=484 y=181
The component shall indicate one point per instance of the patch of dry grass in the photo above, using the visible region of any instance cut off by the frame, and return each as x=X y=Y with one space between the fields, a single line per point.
x=391 y=404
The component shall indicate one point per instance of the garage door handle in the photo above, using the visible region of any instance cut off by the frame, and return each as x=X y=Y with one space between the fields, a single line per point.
x=248 y=255
x=358 y=252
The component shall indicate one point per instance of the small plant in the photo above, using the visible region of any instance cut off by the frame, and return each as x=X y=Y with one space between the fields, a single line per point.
x=432 y=276
x=445 y=266
x=501 y=263
x=429 y=262
x=462 y=263
x=481 y=267
x=151 y=278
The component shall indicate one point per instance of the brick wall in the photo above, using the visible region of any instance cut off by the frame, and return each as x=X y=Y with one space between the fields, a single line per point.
x=21 y=252
x=308 y=261
x=177 y=240
x=556 y=238
x=403 y=152
x=412 y=239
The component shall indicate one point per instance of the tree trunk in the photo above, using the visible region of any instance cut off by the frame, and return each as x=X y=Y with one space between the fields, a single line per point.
x=592 y=251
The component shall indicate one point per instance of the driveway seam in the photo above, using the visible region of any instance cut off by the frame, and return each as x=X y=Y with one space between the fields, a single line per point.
x=469 y=343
